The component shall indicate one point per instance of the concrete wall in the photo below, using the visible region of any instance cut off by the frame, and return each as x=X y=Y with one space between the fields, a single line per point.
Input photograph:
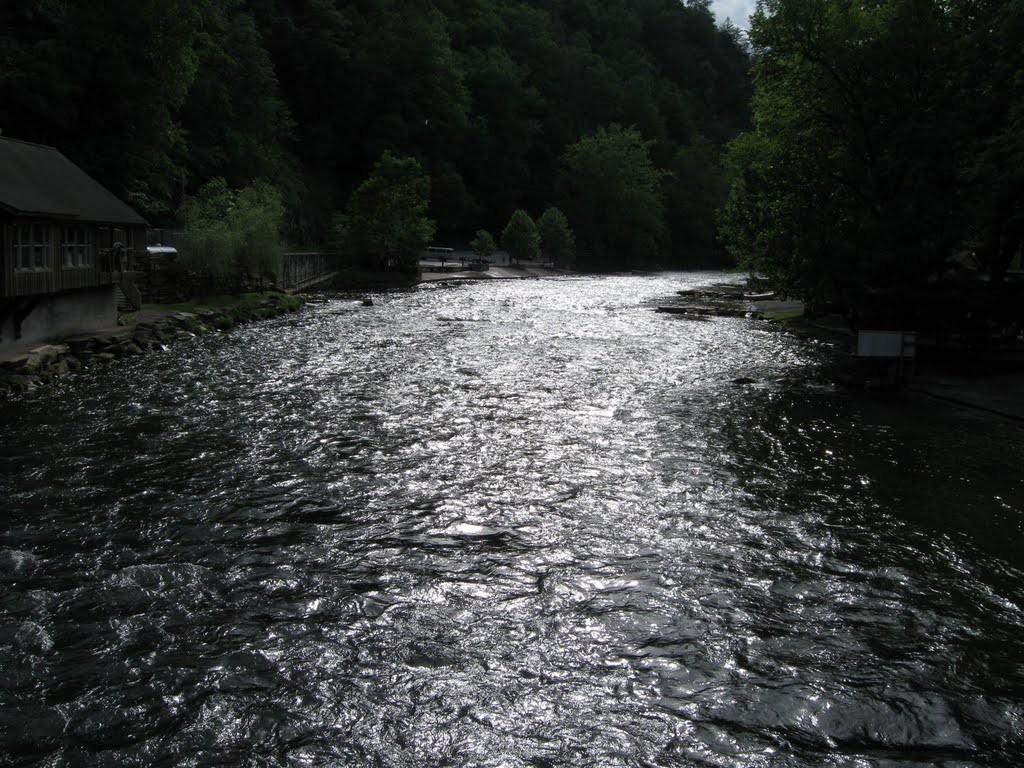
x=63 y=314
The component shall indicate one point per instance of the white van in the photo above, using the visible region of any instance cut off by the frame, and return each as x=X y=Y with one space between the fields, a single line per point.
x=440 y=253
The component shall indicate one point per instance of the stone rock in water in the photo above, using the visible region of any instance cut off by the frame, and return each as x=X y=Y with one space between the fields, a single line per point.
x=19 y=382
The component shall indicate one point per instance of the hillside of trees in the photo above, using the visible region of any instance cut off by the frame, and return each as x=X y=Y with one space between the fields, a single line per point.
x=884 y=175
x=616 y=111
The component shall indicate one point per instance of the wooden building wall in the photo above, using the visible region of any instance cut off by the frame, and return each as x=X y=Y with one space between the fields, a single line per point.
x=56 y=277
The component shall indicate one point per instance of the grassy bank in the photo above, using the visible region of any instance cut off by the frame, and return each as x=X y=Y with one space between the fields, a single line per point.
x=226 y=301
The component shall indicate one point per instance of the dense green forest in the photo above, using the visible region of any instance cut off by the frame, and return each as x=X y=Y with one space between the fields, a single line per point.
x=617 y=111
x=885 y=170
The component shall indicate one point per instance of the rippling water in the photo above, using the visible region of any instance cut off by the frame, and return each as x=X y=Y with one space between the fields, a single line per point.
x=526 y=523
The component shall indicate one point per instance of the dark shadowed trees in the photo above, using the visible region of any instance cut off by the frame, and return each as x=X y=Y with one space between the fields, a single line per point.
x=612 y=195
x=854 y=184
x=385 y=224
x=520 y=237
x=235 y=123
x=156 y=97
x=557 y=242
x=483 y=244
x=105 y=82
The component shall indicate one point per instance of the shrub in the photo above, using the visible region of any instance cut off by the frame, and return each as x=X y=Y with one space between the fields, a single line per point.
x=233 y=233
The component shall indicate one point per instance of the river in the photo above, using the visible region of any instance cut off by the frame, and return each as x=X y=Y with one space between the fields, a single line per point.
x=516 y=523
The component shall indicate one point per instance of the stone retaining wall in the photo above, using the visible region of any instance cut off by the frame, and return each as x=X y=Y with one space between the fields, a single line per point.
x=162 y=279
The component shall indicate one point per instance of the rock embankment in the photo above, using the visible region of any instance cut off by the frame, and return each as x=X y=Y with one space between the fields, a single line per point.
x=154 y=331
x=721 y=300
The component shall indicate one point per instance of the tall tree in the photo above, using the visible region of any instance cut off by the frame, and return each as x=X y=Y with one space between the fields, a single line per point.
x=483 y=244
x=385 y=224
x=310 y=44
x=235 y=122
x=696 y=188
x=994 y=60
x=612 y=194
x=520 y=237
x=849 y=184
x=557 y=242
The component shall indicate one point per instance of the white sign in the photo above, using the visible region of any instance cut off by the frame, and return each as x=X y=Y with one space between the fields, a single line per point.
x=886 y=343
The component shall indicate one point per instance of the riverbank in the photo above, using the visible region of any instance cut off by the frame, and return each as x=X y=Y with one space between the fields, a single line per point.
x=997 y=393
x=157 y=326
x=150 y=330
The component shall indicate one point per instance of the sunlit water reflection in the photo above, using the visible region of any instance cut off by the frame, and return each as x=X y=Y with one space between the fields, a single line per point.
x=527 y=523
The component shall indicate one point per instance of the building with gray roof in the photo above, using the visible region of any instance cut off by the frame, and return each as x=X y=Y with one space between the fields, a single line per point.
x=67 y=247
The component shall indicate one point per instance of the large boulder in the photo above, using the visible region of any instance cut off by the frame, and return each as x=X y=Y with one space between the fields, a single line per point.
x=37 y=359
x=15 y=382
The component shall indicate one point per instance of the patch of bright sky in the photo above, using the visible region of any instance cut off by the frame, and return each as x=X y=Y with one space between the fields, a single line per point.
x=737 y=10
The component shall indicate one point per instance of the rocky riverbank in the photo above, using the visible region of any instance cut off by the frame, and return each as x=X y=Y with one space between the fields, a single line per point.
x=147 y=331
x=999 y=392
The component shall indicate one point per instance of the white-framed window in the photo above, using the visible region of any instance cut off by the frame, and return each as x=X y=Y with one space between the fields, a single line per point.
x=76 y=247
x=32 y=247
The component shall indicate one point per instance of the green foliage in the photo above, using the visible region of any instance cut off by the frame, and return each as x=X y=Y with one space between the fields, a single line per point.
x=237 y=125
x=155 y=97
x=992 y=76
x=233 y=232
x=209 y=242
x=257 y=217
x=483 y=244
x=520 y=237
x=385 y=224
x=104 y=81
x=612 y=193
x=872 y=126
x=291 y=303
x=193 y=325
x=694 y=191
x=557 y=242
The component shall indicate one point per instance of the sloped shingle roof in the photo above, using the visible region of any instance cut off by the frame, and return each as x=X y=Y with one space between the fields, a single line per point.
x=39 y=180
